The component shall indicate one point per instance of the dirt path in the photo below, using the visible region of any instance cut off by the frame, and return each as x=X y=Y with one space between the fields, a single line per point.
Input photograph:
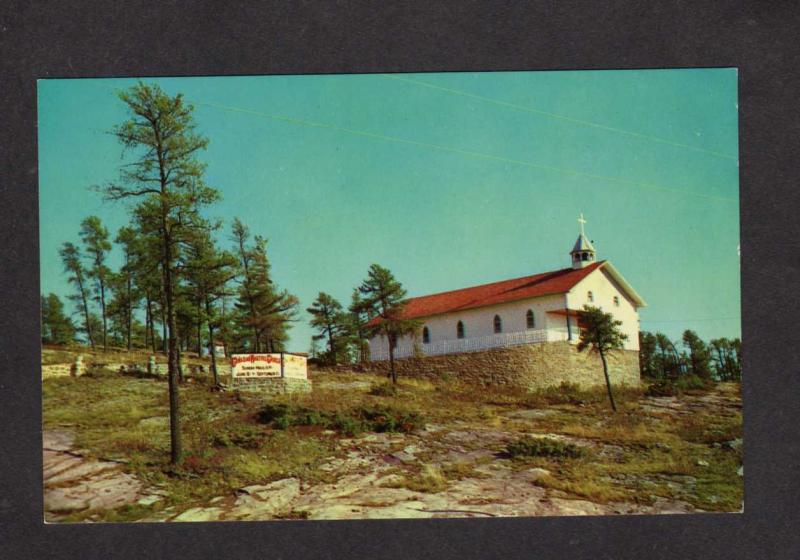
x=75 y=483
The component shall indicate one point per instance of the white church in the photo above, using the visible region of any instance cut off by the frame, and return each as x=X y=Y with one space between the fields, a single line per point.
x=537 y=309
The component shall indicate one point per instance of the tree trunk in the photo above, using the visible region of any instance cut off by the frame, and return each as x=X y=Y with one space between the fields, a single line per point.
x=330 y=345
x=608 y=381
x=103 y=310
x=148 y=324
x=199 y=329
x=176 y=448
x=130 y=306
x=86 y=315
x=211 y=346
x=392 y=372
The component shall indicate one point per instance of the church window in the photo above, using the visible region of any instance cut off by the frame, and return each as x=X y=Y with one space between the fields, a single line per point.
x=590 y=296
x=616 y=301
x=529 y=319
x=460 y=330
x=498 y=324
x=426 y=335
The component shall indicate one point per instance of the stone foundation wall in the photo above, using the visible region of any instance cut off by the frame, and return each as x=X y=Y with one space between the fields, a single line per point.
x=532 y=366
x=57 y=370
x=272 y=385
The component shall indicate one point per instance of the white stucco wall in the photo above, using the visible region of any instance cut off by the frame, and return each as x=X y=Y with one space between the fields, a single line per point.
x=603 y=289
x=479 y=322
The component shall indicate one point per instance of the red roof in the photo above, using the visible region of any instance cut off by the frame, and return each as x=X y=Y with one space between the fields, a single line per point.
x=546 y=283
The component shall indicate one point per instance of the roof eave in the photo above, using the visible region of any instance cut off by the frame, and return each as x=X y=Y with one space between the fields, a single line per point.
x=637 y=299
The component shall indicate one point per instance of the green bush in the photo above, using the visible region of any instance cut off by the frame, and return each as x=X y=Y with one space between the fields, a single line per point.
x=384 y=390
x=543 y=447
x=676 y=387
x=239 y=435
x=351 y=421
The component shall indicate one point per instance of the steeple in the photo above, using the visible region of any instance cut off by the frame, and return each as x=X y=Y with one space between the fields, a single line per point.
x=583 y=252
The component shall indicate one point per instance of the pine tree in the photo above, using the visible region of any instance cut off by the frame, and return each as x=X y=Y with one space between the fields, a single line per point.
x=57 y=328
x=127 y=297
x=699 y=356
x=647 y=355
x=263 y=309
x=384 y=298
x=96 y=245
x=166 y=178
x=359 y=318
x=71 y=257
x=328 y=317
x=208 y=271
x=600 y=333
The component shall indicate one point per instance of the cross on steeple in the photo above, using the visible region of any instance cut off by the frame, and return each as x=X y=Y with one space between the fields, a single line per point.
x=582 y=253
x=581 y=221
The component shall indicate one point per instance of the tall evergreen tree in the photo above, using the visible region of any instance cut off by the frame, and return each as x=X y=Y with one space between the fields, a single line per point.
x=97 y=246
x=57 y=327
x=699 y=356
x=328 y=317
x=166 y=177
x=601 y=333
x=208 y=271
x=359 y=318
x=71 y=257
x=647 y=355
x=667 y=359
x=262 y=308
x=384 y=298
x=126 y=294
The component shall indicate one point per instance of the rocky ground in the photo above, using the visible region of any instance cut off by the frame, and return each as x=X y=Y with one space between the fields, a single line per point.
x=368 y=477
x=73 y=482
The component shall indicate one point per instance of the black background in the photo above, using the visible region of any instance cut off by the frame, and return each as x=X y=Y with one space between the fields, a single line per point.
x=135 y=38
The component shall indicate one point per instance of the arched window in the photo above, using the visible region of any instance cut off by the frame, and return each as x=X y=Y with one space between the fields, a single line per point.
x=460 y=330
x=498 y=324
x=590 y=296
x=584 y=256
x=530 y=321
x=426 y=335
x=616 y=301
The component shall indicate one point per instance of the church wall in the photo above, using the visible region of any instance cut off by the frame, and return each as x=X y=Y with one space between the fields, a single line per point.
x=480 y=321
x=604 y=289
x=530 y=366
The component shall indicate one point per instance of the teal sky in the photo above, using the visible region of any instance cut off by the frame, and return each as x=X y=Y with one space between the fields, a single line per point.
x=449 y=180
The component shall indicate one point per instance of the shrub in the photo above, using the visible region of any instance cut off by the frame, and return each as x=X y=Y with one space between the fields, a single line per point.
x=387 y=419
x=543 y=447
x=429 y=480
x=676 y=387
x=351 y=421
x=384 y=390
x=238 y=435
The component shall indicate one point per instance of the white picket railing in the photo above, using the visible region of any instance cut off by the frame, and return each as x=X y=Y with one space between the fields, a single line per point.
x=406 y=348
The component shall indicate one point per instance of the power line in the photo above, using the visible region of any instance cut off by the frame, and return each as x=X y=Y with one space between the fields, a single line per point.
x=690 y=320
x=470 y=153
x=557 y=116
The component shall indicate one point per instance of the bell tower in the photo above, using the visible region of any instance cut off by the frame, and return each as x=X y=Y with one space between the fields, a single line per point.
x=582 y=253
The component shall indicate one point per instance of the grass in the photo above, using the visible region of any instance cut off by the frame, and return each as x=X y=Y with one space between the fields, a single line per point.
x=429 y=479
x=232 y=441
x=349 y=421
x=543 y=447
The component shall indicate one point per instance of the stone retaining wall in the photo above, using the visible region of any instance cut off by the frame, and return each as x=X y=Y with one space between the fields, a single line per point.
x=57 y=370
x=272 y=385
x=532 y=366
